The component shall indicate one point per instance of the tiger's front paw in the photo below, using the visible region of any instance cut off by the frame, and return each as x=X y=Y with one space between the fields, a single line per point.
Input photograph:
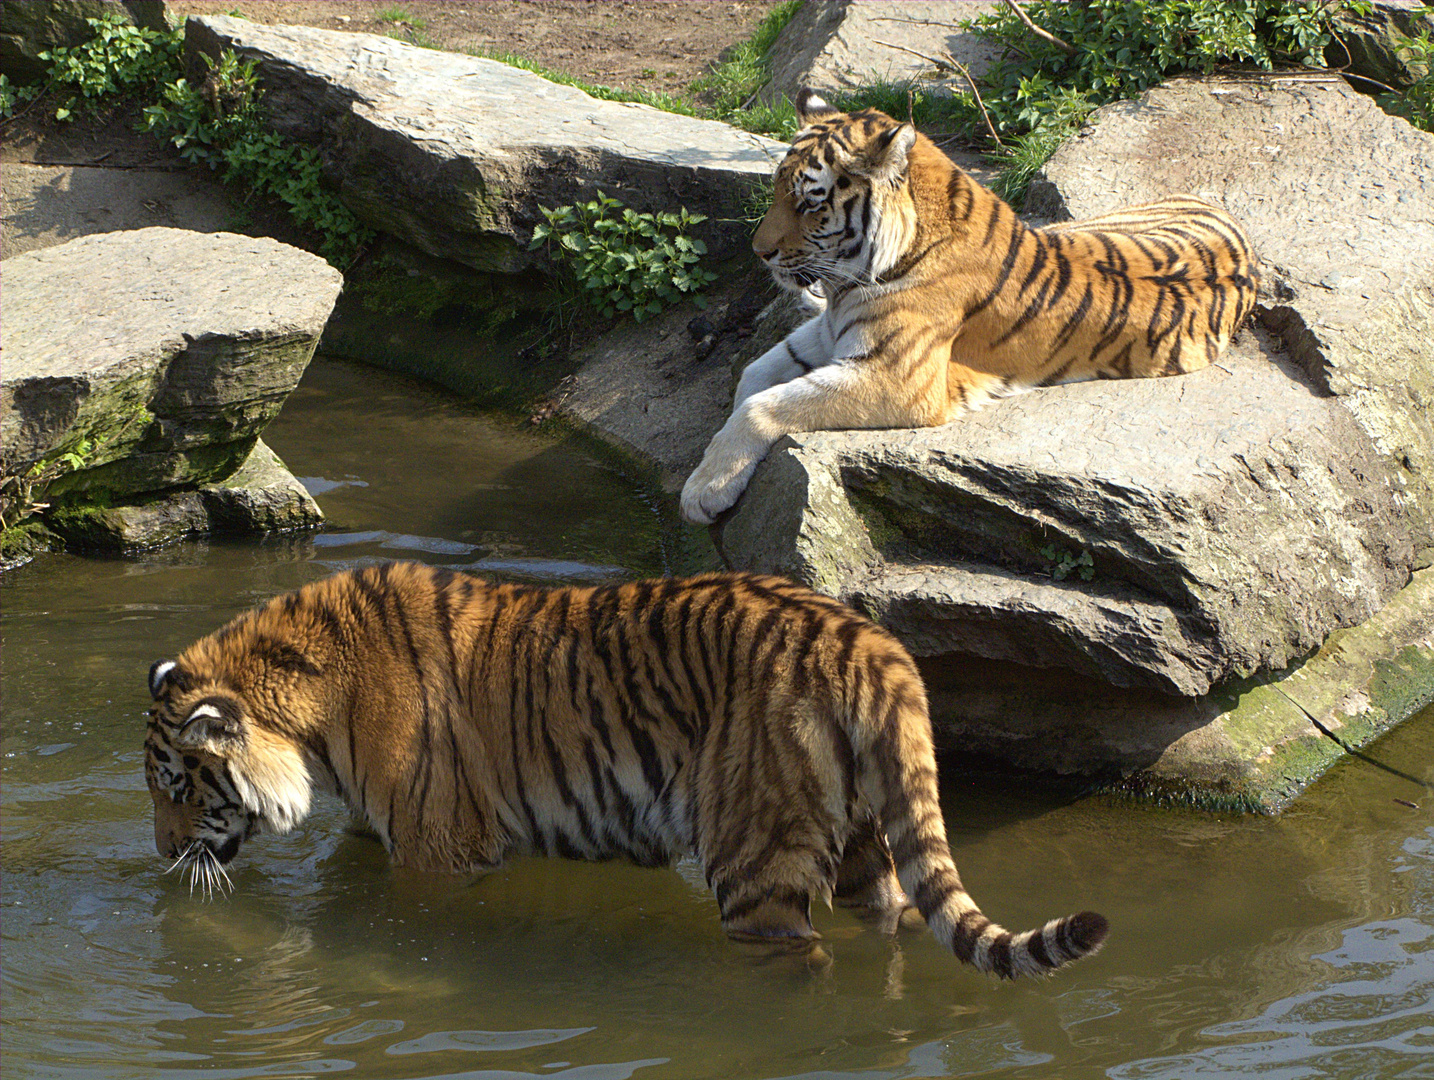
x=715 y=486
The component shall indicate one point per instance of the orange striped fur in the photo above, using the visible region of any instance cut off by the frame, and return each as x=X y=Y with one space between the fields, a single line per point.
x=774 y=733
x=938 y=297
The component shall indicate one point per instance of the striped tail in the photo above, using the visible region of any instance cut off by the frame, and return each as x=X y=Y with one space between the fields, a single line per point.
x=900 y=781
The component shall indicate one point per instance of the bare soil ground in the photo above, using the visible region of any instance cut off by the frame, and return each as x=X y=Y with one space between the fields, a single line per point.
x=625 y=43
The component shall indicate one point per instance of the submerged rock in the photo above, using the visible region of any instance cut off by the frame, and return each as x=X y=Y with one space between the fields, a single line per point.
x=1166 y=536
x=455 y=154
x=148 y=361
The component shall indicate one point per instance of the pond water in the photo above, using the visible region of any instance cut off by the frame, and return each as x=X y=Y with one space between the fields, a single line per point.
x=1291 y=947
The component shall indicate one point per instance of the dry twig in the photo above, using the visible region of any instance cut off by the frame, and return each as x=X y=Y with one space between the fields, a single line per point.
x=952 y=64
x=1040 y=33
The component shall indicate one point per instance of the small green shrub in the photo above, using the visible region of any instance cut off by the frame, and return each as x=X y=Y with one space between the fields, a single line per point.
x=222 y=123
x=20 y=492
x=1064 y=563
x=119 y=59
x=1416 y=102
x=1038 y=93
x=622 y=261
x=12 y=96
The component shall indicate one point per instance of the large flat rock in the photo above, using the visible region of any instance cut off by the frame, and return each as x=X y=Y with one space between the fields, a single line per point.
x=455 y=154
x=1232 y=518
x=1338 y=198
x=156 y=355
x=844 y=45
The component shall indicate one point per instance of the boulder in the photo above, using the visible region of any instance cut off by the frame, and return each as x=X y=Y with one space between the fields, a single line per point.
x=259 y=496
x=455 y=154
x=29 y=27
x=1165 y=540
x=843 y=45
x=144 y=361
x=1375 y=44
x=1344 y=238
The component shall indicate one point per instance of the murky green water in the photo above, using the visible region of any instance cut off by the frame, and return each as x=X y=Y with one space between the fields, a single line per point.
x=1294 y=947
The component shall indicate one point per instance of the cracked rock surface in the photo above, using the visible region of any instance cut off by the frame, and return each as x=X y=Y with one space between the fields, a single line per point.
x=454 y=154
x=153 y=358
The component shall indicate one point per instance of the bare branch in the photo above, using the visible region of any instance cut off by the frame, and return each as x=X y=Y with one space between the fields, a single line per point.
x=1033 y=28
x=964 y=70
x=950 y=63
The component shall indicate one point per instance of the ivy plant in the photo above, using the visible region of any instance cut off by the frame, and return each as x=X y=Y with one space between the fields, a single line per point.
x=118 y=59
x=223 y=124
x=624 y=262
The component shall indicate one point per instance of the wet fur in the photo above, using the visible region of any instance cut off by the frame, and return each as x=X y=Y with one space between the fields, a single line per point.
x=774 y=733
x=939 y=298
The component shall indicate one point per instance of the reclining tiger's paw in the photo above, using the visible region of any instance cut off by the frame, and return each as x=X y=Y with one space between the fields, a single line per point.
x=715 y=486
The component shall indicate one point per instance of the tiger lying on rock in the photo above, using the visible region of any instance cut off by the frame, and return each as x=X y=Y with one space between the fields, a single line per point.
x=774 y=733
x=938 y=297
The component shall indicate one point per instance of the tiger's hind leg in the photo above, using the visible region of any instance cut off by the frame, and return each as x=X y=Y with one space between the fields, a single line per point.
x=769 y=914
x=867 y=877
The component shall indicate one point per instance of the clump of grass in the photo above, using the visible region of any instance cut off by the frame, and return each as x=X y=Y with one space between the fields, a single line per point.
x=730 y=91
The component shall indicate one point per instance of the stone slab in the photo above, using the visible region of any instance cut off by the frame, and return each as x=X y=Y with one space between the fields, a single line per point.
x=1234 y=517
x=455 y=154
x=260 y=496
x=838 y=44
x=1338 y=198
x=158 y=355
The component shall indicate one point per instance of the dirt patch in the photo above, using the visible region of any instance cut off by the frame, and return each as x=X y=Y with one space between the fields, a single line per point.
x=629 y=43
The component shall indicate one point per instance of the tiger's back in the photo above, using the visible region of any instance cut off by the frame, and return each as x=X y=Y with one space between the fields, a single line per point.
x=774 y=733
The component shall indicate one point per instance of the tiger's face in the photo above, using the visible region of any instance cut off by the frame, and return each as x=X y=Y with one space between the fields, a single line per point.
x=215 y=777
x=841 y=211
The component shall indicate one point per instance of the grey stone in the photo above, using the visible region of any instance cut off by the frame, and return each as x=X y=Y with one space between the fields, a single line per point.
x=455 y=154
x=260 y=496
x=838 y=45
x=1233 y=517
x=29 y=27
x=1345 y=238
x=1250 y=746
x=155 y=356
x=1375 y=44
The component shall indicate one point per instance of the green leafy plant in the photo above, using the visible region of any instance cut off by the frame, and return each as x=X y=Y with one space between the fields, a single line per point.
x=622 y=261
x=223 y=124
x=12 y=96
x=1416 y=102
x=18 y=491
x=1039 y=93
x=1064 y=563
x=118 y=59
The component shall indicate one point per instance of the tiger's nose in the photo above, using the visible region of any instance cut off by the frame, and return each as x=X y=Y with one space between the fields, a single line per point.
x=765 y=256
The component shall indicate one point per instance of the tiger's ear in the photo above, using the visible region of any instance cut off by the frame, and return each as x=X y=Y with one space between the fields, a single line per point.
x=812 y=107
x=885 y=158
x=214 y=725
x=162 y=673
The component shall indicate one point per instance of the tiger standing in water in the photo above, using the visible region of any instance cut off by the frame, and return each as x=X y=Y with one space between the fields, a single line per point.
x=938 y=297
x=774 y=733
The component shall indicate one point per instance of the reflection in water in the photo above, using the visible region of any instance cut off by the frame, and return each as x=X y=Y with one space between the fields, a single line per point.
x=1297 y=946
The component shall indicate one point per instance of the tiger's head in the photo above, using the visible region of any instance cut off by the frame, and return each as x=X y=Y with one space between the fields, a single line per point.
x=842 y=211
x=216 y=773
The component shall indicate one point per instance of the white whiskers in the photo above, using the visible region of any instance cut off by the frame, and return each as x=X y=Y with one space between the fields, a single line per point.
x=205 y=871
